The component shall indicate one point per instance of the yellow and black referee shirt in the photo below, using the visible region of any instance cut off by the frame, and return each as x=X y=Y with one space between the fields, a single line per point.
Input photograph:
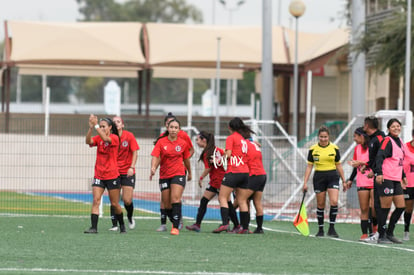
x=324 y=158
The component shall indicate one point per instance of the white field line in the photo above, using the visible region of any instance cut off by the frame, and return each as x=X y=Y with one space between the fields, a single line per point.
x=51 y=270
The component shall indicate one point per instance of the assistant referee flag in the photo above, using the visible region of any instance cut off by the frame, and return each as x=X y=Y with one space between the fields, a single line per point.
x=301 y=219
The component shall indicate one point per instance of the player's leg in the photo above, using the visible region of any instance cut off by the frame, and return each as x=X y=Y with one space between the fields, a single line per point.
x=363 y=197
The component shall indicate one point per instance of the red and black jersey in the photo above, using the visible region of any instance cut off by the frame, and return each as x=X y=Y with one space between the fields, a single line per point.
x=172 y=154
x=183 y=134
x=237 y=163
x=106 y=166
x=255 y=161
x=128 y=145
x=216 y=173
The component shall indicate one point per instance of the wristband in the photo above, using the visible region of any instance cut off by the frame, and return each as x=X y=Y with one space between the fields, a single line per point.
x=132 y=167
x=96 y=126
x=201 y=178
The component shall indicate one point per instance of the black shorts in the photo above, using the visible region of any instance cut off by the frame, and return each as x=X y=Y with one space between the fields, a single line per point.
x=128 y=181
x=236 y=180
x=389 y=188
x=108 y=184
x=364 y=188
x=409 y=193
x=257 y=183
x=212 y=189
x=166 y=183
x=323 y=180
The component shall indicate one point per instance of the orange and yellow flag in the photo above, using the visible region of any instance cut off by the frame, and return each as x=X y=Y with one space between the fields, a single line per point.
x=301 y=220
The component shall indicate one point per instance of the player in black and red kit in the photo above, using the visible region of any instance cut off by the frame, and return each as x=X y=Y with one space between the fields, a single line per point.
x=106 y=169
x=215 y=171
x=127 y=158
x=181 y=134
x=237 y=174
x=172 y=155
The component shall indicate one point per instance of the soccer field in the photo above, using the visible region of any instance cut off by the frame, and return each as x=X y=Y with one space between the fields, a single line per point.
x=51 y=245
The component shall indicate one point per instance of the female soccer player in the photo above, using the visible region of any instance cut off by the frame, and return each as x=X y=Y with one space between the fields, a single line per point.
x=390 y=178
x=106 y=169
x=409 y=191
x=127 y=158
x=325 y=157
x=182 y=134
x=212 y=168
x=257 y=181
x=237 y=174
x=172 y=155
x=365 y=185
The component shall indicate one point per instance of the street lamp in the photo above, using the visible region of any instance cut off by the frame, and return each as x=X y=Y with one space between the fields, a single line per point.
x=296 y=9
x=231 y=9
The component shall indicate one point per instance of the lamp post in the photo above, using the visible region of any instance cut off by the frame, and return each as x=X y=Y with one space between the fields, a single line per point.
x=296 y=9
x=232 y=9
x=407 y=59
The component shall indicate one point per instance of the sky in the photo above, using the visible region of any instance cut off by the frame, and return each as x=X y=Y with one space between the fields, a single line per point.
x=320 y=15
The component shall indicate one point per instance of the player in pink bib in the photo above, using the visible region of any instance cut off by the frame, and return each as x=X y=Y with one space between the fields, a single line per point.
x=365 y=185
x=391 y=180
x=409 y=191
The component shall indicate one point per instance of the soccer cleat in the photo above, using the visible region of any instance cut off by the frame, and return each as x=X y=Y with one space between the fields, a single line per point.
x=113 y=228
x=372 y=239
x=393 y=239
x=174 y=231
x=122 y=229
x=91 y=231
x=320 y=233
x=131 y=223
x=332 y=233
x=221 y=228
x=406 y=236
x=384 y=240
x=193 y=227
x=181 y=224
x=244 y=231
x=363 y=237
x=162 y=228
x=258 y=231
x=235 y=230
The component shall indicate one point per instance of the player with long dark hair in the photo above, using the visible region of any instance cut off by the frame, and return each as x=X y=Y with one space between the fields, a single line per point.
x=365 y=185
x=172 y=155
x=211 y=156
x=127 y=158
x=237 y=174
x=390 y=179
x=106 y=169
x=183 y=135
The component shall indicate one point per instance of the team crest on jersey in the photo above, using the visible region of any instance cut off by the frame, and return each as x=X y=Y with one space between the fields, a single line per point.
x=388 y=191
x=106 y=144
x=178 y=148
x=125 y=143
x=165 y=147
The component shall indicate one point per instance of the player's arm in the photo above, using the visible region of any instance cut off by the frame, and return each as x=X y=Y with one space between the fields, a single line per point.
x=155 y=162
x=131 y=168
x=93 y=120
x=187 y=165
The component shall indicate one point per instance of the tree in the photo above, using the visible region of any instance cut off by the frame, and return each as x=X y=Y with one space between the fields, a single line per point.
x=384 y=42
x=168 y=11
